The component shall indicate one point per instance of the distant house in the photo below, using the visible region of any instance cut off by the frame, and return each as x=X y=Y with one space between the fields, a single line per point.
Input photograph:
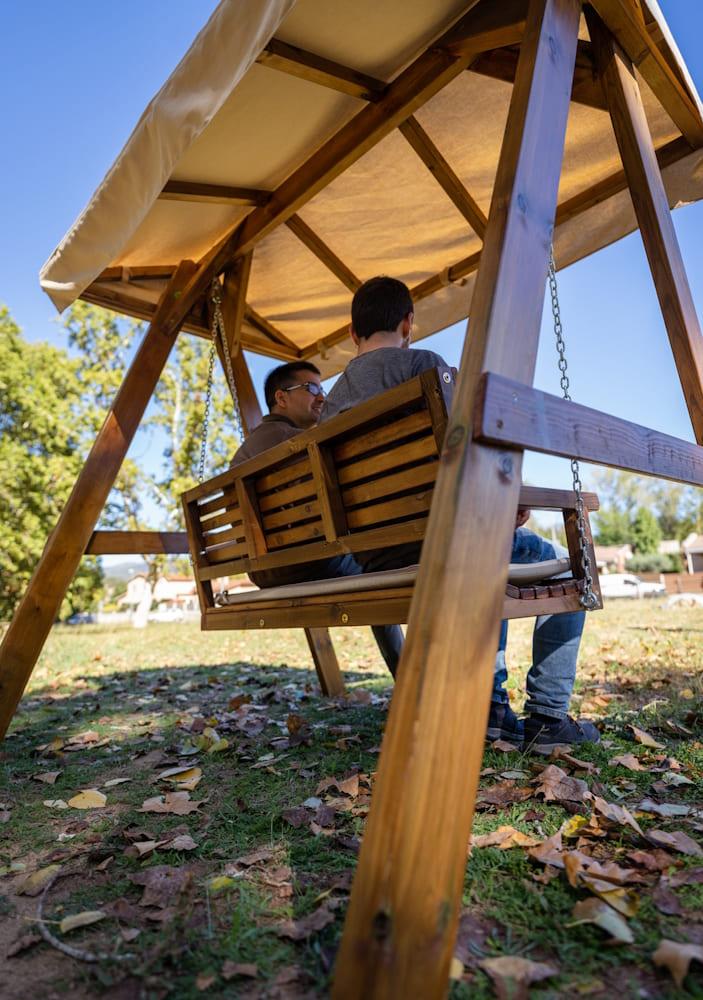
x=612 y=558
x=692 y=548
x=669 y=547
x=175 y=591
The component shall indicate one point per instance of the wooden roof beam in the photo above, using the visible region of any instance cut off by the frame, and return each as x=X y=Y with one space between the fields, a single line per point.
x=323 y=253
x=632 y=36
x=215 y=194
x=316 y=69
x=443 y=174
x=137 y=272
x=415 y=85
x=501 y=64
x=267 y=328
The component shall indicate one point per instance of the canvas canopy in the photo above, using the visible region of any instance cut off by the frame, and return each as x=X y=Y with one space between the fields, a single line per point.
x=258 y=104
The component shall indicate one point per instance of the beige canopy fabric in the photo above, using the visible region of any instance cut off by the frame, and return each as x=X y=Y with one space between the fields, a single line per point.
x=243 y=111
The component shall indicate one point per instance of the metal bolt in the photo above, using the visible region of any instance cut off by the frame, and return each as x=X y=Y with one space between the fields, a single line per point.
x=261 y=622
x=446 y=377
x=345 y=618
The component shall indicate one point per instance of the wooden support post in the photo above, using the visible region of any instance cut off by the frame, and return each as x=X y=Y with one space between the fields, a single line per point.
x=37 y=610
x=652 y=209
x=326 y=664
x=402 y=919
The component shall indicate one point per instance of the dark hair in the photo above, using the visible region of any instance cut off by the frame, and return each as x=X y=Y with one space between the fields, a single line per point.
x=283 y=377
x=380 y=304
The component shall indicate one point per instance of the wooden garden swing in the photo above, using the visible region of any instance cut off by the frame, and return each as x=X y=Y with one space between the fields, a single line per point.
x=297 y=146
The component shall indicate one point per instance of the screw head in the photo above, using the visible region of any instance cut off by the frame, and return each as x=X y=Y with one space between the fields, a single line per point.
x=446 y=377
x=345 y=618
x=261 y=622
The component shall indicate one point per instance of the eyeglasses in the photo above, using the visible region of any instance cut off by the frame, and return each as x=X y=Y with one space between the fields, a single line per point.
x=313 y=388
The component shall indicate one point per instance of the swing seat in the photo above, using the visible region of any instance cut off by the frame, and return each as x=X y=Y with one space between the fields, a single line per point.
x=362 y=481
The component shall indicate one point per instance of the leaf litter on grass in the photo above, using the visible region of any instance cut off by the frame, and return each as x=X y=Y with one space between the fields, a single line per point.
x=290 y=882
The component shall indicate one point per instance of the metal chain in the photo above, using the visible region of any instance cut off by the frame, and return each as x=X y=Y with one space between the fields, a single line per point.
x=218 y=331
x=588 y=599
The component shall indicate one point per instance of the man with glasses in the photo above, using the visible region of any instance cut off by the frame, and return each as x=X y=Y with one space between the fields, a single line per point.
x=294 y=396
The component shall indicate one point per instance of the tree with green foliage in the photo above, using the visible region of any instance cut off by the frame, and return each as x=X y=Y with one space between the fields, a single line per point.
x=612 y=526
x=42 y=442
x=646 y=533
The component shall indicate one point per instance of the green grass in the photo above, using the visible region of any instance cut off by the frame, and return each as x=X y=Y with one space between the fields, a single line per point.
x=141 y=691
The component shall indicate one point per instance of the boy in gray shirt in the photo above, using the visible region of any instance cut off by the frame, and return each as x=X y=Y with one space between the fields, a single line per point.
x=381 y=325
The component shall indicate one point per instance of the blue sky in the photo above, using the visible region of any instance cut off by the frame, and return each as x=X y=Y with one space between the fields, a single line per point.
x=74 y=79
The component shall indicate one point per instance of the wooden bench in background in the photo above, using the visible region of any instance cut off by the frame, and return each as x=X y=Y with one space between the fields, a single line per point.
x=360 y=481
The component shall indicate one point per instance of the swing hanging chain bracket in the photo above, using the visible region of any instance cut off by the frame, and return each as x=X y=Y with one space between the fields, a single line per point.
x=588 y=599
x=218 y=332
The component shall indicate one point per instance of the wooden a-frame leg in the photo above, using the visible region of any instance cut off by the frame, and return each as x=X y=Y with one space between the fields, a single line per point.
x=233 y=307
x=326 y=663
x=651 y=206
x=402 y=919
x=37 y=611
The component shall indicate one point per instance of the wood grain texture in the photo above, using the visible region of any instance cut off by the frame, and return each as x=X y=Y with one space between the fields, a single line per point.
x=317 y=69
x=64 y=548
x=104 y=543
x=401 y=922
x=326 y=664
x=653 y=215
x=319 y=248
x=513 y=414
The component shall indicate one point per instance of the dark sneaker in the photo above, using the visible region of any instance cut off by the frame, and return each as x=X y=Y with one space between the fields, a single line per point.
x=544 y=734
x=503 y=724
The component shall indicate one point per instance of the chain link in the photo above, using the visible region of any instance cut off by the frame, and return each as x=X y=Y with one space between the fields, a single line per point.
x=588 y=599
x=218 y=332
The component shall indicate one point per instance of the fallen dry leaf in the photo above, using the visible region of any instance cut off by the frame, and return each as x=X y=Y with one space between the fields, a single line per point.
x=687 y=876
x=176 y=803
x=298 y=930
x=654 y=861
x=555 y=785
x=677 y=957
x=503 y=793
x=204 y=981
x=88 y=798
x=297 y=816
x=48 y=777
x=505 y=837
x=81 y=920
x=665 y=899
x=678 y=841
x=55 y=803
x=163 y=884
x=616 y=814
x=665 y=809
x=628 y=760
x=32 y=885
x=645 y=739
x=595 y=911
x=113 y=782
x=512 y=975
x=24 y=941
x=232 y=969
x=504 y=746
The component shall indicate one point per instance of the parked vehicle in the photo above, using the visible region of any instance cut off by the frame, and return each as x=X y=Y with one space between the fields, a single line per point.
x=628 y=585
x=81 y=618
x=166 y=615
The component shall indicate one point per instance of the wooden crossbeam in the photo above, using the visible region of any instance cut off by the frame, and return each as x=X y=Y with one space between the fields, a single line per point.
x=291 y=349
x=104 y=543
x=135 y=273
x=443 y=174
x=501 y=64
x=402 y=917
x=217 y=194
x=636 y=42
x=234 y=300
x=323 y=253
x=652 y=209
x=317 y=69
x=510 y=413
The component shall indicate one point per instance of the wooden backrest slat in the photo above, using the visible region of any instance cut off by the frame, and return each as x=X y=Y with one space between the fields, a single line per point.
x=405 y=454
x=219 y=503
x=378 y=513
x=381 y=437
x=226 y=551
x=288 y=474
x=293 y=536
x=280 y=498
x=229 y=518
x=397 y=482
x=235 y=534
x=291 y=515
